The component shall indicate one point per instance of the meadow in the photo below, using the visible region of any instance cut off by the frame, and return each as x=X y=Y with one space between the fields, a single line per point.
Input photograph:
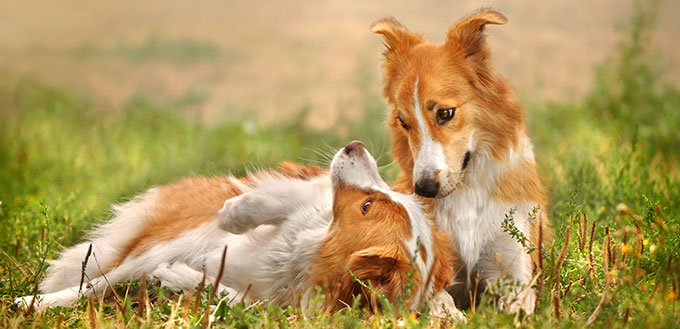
x=610 y=162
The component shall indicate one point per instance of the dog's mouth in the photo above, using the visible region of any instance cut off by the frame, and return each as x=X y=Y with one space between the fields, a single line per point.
x=454 y=179
x=451 y=185
x=354 y=165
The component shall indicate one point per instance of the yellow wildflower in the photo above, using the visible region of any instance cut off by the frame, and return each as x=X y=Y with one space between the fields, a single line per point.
x=625 y=249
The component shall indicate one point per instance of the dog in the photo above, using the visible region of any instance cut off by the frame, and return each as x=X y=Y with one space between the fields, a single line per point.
x=286 y=232
x=459 y=138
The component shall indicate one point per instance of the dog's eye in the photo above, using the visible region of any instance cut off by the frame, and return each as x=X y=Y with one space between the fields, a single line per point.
x=445 y=115
x=366 y=205
x=403 y=124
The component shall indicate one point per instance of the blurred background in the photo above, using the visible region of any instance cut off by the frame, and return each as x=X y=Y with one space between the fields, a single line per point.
x=274 y=59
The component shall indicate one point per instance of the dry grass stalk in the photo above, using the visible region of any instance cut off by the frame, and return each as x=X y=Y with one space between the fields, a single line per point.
x=579 y=298
x=173 y=313
x=243 y=298
x=216 y=286
x=591 y=258
x=187 y=307
x=116 y=300
x=540 y=244
x=108 y=283
x=607 y=280
x=560 y=260
x=584 y=232
x=91 y=315
x=60 y=319
x=639 y=236
x=566 y=290
x=556 y=305
x=142 y=296
x=84 y=267
x=35 y=296
x=198 y=294
x=540 y=261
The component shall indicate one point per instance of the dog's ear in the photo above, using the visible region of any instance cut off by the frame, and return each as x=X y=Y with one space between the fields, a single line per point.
x=397 y=38
x=383 y=268
x=468 y=34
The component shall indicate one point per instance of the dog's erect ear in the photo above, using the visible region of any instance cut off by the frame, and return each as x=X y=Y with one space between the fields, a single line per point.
x=397 y=38
x=468 y=34
x=384 y=269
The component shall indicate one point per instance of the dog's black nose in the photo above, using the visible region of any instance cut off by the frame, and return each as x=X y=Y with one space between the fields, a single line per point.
x=427 y=188
x=354 y=145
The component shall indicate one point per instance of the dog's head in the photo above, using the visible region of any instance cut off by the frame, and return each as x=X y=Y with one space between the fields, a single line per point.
x=378 y=236
x=447 y=104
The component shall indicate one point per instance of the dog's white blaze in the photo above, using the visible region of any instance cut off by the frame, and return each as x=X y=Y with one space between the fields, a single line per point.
x=430 y=157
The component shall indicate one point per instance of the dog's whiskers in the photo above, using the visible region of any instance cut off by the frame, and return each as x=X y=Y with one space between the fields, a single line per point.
x=325 y=156
x=323 y=163
x=387 y=164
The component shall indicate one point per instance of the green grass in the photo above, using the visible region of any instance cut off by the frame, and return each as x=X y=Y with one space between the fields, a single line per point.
x=155 y=48
x=612 y=158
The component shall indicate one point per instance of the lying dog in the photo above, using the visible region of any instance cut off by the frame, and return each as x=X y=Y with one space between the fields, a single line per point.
x=290 y=231
x=459 y=137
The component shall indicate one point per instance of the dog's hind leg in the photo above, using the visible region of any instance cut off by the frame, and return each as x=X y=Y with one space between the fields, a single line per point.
x=179 y=276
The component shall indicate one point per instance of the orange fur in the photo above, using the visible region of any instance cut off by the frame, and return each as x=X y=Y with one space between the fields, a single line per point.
x=370 y=245
x=364 y=244
x=456 y=73
x=182 y=207
x=524 y=182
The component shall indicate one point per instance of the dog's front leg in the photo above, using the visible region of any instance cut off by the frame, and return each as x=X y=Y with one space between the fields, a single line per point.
x=507 y=267
x=443 y=307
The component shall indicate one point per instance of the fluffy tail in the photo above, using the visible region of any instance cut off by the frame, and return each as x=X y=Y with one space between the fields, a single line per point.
x=107 y=242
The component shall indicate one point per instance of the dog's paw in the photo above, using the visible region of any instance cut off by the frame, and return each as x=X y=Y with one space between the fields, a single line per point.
x=443 y=307
x=524 y=301
x=177 y=276
x=234 y=216
x=24 y=302
x=43 y=302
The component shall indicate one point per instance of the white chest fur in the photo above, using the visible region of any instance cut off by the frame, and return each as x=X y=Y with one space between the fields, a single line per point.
x=474 y=216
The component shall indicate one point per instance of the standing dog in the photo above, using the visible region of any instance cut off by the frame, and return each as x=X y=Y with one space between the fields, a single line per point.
x=459 y=137
x=286 y=233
